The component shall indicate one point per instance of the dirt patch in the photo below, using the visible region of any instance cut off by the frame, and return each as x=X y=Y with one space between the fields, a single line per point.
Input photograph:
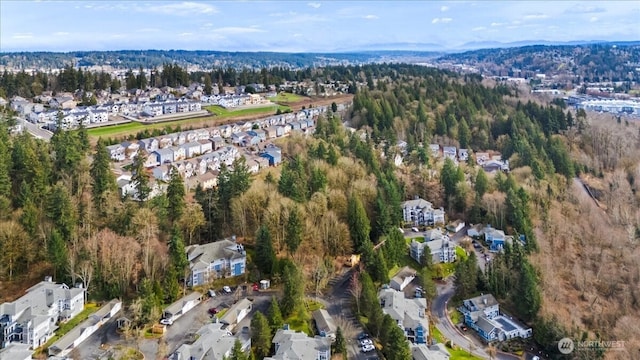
x=11 y=290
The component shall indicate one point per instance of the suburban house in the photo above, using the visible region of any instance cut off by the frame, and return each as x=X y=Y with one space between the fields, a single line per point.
x=463 y=154
x=402 y=278
x=410 y=314
x=324 y=324
x=212 y=343
x=149 y=144
x=442 y=250
x=495 y=238
x=482 y=314
x=420 y=212
x=16 y=351
x=290 y=344
x=181 y=306
x=434 y=352
x=435 y=150
x=456 y=226
x=215 y=260
x=163 y=156
x=33 y=318
x=80 y=333
x=191 y=149
x=450 y=152
x=116 y=152
x=274 y=157
x=236 y=313
x=205 y=146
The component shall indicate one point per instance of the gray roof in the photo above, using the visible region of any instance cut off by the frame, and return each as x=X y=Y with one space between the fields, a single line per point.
x=402 y=274
x=16 y=351
x=212 y=343
x=324 y=321
x=485 y=324
x=201 y=256
x=422 y=352
x=69 y=338
x=408 y=312
x=231 y=316
x=480 y=302
x=293 y=345
x=177 y=306
x=419 y=203
x=39 y=299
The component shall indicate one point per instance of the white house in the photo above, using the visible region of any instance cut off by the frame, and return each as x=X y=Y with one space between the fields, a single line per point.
x=32 y=318
x=421 y=212
x=290 y=344
x=181 y=306
x=403 y=278
x=442 y=250
x=236 y=313
x=213 y=342
x=214 y=260
x=116 y=152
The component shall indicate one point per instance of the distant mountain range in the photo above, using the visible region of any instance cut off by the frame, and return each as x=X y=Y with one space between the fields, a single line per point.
x=534 y=54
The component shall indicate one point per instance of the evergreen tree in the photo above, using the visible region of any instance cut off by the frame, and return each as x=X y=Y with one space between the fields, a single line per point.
x=293 y=284
x=265 y=254
x=177 y=252
x=294 y=230
x=140 y=178
x=274 y=315
x=339 y=347
x=237 y=353
x=5 y=162
x=104 y=182
x=464 y=134
x=208 y=88
x=466 y=276
x=527 y=297
x=318 y=181
x=450 y=177
x=62 y=211
x=397 y=345
x=260 y=336
x=359 y=225
x=481 y=183
x=332 y=156
x=395 y=247
x=58 y=255
x=175 y=196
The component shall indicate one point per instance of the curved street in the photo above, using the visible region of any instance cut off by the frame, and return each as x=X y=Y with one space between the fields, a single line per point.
x=448 y=330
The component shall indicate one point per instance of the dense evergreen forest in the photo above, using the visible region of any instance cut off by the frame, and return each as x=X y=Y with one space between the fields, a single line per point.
x=337 y=193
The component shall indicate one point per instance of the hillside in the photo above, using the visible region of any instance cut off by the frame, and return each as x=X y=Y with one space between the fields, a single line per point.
x=592 y=62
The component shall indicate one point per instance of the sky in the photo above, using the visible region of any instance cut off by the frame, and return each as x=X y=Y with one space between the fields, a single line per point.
x=303 y=26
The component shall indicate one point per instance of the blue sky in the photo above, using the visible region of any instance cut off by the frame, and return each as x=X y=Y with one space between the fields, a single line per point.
x=299 y=26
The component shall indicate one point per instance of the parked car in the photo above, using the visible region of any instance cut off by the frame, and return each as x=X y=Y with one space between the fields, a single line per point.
x=415 y=229
x=463 y=327
x=255 y=287
x=368 y=348
x=363 y=335
x=212 y=293
x=365 y=342
x=226 y=289
x=166 y=321
x=213 y=311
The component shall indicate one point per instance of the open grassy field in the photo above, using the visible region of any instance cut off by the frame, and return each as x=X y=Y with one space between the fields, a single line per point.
x=285 y=97
x=224 y=113
x=219 y=114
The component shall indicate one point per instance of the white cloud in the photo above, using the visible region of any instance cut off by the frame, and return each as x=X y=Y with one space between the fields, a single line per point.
x=370 y=17
x=186 y=8
x=444 y=8
x=583 y=9
x=301 y=19
x=23 y=36
x=184 y=34
x=61 y=33
x=314 y=5
x=441 y=20
x=479 y=28
x=496 y=24
x=535 y=16
x=593 y=19
x=234 y=30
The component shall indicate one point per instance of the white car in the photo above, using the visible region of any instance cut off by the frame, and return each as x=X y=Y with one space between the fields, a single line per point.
x=368 y=348
x=226 y=289
x=166 y=322
x=365 y=342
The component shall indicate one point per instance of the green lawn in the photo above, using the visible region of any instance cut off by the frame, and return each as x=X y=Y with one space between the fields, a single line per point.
x=455 y=316
x=219 y=113
x=461 y=254
x=456 y=354
x=285 y=97
x=223 y=113
x=406 y=260
x=89 y=309
x=300 y=320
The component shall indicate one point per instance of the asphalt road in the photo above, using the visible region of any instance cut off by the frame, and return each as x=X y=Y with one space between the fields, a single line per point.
x=36 y=130
x=451 y=332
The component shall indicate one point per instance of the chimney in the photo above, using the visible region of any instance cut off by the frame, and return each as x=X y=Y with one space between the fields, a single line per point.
x=484 y=301
x=48 y=279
